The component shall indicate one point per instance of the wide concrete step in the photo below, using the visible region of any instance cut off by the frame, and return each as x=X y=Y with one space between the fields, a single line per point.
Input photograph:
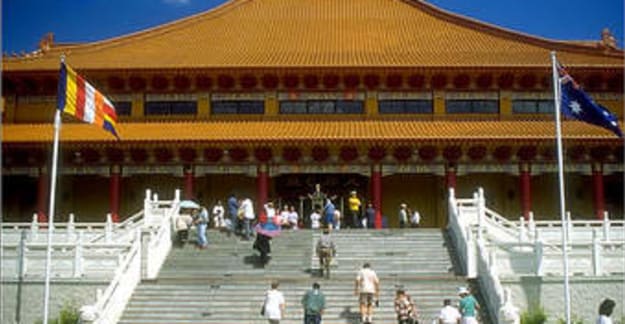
x=225 y=284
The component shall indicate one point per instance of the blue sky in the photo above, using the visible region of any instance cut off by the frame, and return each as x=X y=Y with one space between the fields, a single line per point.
x=24 y=22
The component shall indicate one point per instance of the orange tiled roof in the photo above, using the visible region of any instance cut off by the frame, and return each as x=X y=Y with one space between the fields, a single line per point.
x=321 y=33
x=306 y=131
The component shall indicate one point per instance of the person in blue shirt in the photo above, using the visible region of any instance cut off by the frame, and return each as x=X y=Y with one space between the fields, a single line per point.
x=314 y=302
x=468 y=306
x=201 y=222
x=328 y=212
x=233 y=209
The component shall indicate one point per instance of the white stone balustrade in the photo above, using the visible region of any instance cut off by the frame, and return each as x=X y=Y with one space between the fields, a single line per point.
x=529 y=248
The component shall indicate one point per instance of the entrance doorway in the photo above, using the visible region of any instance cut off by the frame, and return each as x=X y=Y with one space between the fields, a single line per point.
x=297 y=189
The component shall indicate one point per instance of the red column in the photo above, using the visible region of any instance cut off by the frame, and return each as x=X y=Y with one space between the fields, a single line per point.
x=42 y=195
x=262 y=190
x=597 y=184
x=188 y=182
x=450 y=177
x=114 y=187
x=376 y=192
x=525 y=188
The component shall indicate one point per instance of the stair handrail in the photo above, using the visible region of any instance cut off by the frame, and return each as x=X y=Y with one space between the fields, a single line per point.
x=461 y=234
x=160 y=241
x=489 y=279
x=110 y=305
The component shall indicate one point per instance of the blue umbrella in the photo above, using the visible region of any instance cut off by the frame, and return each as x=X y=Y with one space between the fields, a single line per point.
x=189 y=204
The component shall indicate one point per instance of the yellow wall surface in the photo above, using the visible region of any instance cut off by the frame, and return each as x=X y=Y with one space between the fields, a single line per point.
x=501 y=191
x=86 y=196
x=211 y=187
x=423 y=193
x=578 y=196
x=34 y=113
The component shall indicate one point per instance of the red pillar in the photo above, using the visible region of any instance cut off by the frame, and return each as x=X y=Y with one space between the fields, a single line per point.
x=262 y=190
x=597 y=184
x=525 y=188
x=188 y=182
x=114 y=194
x=376 y=192
x=450 y=177
x=42 y=195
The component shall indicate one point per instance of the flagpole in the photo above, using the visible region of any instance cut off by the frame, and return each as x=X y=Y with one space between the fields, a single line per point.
x=55 y=155
x=556 y=99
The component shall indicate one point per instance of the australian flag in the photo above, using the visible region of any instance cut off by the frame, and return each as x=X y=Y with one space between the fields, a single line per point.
x=579 y=105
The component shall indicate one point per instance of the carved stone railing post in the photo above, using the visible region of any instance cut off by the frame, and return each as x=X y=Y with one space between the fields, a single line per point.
x=108 y=229
x=71 y=227
x=596 y=253
x=538 y=256
x=78 y=256
x=22 y=261
x=569 y=228
x=471 y=254
x=147 y=205
x=34 y=228
x=606 y=226
x=177 y=196
x=531 y=224
x=522 y=230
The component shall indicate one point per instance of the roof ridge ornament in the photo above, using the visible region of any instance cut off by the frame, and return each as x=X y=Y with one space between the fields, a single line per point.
x=607 y=39
x=46 y=42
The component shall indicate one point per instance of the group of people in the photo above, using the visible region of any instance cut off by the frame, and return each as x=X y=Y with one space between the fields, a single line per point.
x=367 y=290
x=198 y=216
x=408 y=217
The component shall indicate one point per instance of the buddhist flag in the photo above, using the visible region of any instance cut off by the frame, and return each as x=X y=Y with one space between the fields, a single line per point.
x=80 y=99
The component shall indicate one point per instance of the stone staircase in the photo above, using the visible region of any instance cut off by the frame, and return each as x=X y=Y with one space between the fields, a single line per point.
x=226 y=284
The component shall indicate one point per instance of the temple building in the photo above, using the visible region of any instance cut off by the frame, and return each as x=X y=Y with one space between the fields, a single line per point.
x=395 y=99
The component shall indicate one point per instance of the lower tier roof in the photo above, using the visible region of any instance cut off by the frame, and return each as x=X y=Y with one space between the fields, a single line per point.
x=306 y=131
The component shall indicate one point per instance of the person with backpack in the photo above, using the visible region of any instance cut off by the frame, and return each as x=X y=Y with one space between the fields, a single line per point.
x=314 y=302
x=326 y=250
x=405 y=308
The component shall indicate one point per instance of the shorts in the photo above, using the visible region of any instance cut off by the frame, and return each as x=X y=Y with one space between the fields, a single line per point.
x=366 y=299
x=469 y=320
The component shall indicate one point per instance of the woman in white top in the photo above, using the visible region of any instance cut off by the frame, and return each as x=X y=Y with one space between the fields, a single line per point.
x=284 y=216
x=218 y=215
x=274 y=306
x=315 y=220
x=605 y=311
x=293 y=218
x=270 y=211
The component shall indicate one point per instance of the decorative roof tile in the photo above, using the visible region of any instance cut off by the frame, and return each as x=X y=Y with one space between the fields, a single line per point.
x=306 y=131
x=320 y=33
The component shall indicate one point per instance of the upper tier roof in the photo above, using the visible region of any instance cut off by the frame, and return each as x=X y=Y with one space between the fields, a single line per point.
x=321 y=33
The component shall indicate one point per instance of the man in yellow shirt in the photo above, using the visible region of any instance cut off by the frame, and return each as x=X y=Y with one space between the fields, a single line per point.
x=354 y=209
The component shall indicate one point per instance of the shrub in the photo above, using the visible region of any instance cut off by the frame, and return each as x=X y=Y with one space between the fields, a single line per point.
x=535 y=315
x=67 y=315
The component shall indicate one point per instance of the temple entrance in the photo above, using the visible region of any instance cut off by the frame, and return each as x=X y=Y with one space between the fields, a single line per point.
x=299 y=190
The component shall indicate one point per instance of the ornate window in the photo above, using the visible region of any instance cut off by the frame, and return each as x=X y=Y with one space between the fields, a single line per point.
x=244 y=107
x=321 y=107
x=170 y=108
x=472 y=106
x=417 y=106
x=123 y=108
x=532 y=106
